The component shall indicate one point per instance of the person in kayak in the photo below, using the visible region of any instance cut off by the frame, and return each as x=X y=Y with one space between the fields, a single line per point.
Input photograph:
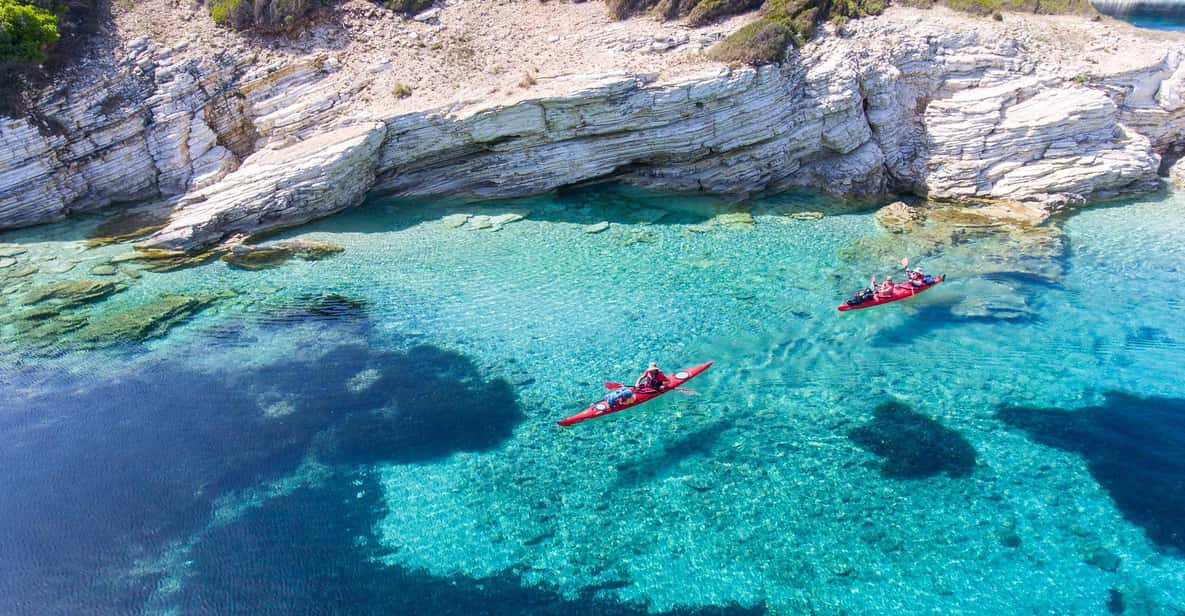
x=887 y=286
x=861 y=296
x=915 y=276
x=653 y=379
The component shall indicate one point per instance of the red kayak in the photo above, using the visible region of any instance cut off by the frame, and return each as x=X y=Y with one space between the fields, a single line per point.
x=603 y=407
x=901 y=291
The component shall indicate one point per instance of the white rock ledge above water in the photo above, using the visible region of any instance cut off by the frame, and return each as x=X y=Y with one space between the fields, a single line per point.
x=278 y=188
x=964 y=112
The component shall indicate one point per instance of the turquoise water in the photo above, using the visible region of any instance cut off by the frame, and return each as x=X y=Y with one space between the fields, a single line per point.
x=374 y=432
x=1157 y=22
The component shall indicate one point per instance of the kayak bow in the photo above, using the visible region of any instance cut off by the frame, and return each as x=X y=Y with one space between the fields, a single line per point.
x=601 y=407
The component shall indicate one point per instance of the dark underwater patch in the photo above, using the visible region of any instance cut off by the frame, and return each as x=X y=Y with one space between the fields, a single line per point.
x=669 y=457
x=1134 y=447
x=101 y=471
x=434 y=404
x=314 y=552
x=913 y=446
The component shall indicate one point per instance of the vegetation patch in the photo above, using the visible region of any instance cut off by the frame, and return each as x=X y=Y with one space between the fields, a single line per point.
x=761 y=42
x=786 y=23
x=265 y=15
x=409 y=7
x=401 y=90
x=26 y=31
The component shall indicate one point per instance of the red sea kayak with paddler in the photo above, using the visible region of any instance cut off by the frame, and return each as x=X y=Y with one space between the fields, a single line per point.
x=622 y=398
x=900 y=291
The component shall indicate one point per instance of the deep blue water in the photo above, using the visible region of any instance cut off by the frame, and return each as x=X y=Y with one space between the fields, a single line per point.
x=374 y=433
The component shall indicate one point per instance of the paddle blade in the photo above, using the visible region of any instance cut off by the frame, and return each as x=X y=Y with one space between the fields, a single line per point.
x=905 y=262
x=613 y=385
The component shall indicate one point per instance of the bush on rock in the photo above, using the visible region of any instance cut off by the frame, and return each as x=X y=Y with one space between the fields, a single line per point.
x=26 y=32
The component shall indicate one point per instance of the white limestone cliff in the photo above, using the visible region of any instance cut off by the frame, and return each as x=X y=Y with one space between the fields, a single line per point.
x=964 y=112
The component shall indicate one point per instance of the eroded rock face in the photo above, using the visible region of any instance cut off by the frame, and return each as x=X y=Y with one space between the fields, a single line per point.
x=1025 y=140
x=167 y=122
x=278 y=188
x=1177 y=173
x=951 y=109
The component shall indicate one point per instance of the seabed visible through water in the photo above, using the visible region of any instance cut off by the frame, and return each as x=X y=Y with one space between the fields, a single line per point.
x=374 y=432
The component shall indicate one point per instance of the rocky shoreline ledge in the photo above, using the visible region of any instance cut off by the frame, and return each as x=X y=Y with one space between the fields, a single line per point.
x=1052 y=111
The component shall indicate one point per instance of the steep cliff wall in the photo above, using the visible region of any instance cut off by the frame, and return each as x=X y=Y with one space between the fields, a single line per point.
x=951 y=108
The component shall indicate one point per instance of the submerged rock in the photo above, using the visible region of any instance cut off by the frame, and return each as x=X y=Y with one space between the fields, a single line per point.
x=335 y=306
x=69 y=293
x=47 y=325
x=596 y=227
x=989 y=214
x=480 y=222
x=993 y=248
x=1101 y=557
x=142 y=322
x=509 y=217
x=103 y=270
x=278 y=408
x=639 y=237
x=256 y=258
x=1115 y=603
x=897 y=217
x=990 y=299
x=646 y=215
x=128 y=225
x=739 y=221
x=913 y=446
x=363 y=381
x=1177 y=173
x=11 y=250
x=453 y=221
x=159 y=260
x=262 y=257
x=19 y=272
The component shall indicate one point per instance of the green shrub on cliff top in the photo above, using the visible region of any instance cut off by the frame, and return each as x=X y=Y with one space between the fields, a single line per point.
x=786 y=23
x=266 y=15
x=1044 y=7
x=707 y=11
x=408 y=7
x=783 y=23
x=792 y=22
x=26 y=31
x=761 y=42
x=224 y=12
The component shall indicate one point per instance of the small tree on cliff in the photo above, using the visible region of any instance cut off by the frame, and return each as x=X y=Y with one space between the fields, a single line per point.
x=26 y=32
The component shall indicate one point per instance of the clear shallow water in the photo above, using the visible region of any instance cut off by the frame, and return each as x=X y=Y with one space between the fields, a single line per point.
x=375 y=432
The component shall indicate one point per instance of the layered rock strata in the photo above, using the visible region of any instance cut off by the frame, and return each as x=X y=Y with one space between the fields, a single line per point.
x=891 y=105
